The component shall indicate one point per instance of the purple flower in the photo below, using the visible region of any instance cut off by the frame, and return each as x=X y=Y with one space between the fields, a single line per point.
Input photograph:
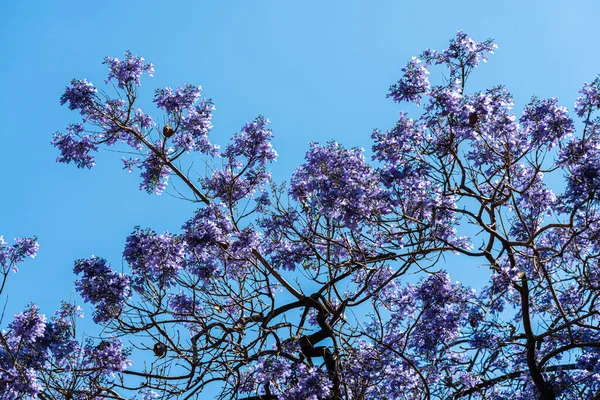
x=192 y=134
x=15 y=383
x=127 y=71
x=10 y=257
x=589 y=99
x=106 y=289
x=156 y=257
x=108 y=357
x=253 y=143
x=339 y=184
x=28 y=326
x=183 y=305
x=74 y=147
x=546 y=122
x=413 y=84
x=155 y=173
x=208 y=228
x=173 y=101
x=81 y=95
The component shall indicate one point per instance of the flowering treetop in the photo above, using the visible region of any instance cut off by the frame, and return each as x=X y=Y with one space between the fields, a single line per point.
x=336 y=287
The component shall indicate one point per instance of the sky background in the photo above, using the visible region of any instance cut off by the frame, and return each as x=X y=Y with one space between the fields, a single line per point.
x=320 y=70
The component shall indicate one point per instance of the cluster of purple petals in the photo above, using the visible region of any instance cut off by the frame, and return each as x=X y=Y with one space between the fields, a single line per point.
x=289 y=380
x=100 y=285
x=174 y=101
x=192 y=134
x=247 y=156
x=467 y=50
x=11 y=256
x=546 y=122
x=75 y=147
x=143 y=120
x=127 y=71
x=208 y=234
x=462 y=55
x=582 y=158
x=154 y=257
x=399 y=144
x=17 y=383
x=413 y=84
x=444 y=308
x=208 y=228
x=253 y=143
x=31 y=343
x=28 y=326
x=338 y=183
x=107 y=358
x=155 y=173
x=183 y=305
x=81 y=95
x=589 y=99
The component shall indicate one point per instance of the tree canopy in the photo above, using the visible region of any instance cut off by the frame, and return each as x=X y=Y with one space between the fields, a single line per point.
x=335 y=286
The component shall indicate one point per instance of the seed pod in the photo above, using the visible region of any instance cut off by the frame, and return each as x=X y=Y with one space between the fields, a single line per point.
x=473 y=118
x=159 y=349
x=168 y=131
x=103 y=345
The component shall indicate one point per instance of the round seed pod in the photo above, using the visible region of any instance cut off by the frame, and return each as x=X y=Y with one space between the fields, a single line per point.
x=168 y=131
x=103 y=345
x=473 y=118
x=159 y=349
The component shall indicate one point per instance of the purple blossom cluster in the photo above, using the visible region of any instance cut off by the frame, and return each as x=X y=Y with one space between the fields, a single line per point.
x=183 y=305
x=194 y=128
x=413 y=84
x=127 y=71
x=209 y=227
x=155 y=173
x=81 y=95
x=31 y=344
x=546 y=122
x=589 y=98
x=100 y=285
x=339 y=184
x=290 y=381
x=11 y=256
x=153 y=257
x=75 y=147
x=174 y=101
x=108 y=357
x=28 y=326
x=247 y=155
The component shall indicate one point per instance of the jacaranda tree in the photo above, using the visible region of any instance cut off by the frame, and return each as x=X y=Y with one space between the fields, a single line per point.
x=334 y=286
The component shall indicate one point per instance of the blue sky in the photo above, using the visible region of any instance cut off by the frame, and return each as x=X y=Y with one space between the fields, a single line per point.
x=318 y=69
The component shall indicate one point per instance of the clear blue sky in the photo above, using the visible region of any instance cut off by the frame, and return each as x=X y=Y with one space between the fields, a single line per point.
x=318 y=69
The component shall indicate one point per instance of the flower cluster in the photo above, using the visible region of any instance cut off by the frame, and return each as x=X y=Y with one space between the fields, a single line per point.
x=413 y=84
x=127 y=71
x=589 y=98
x=339 y=184
x=154 y=257
x=155 y=173
x=107 y=357
x=81 y=95
x=106 y=289
x=75 y=147
x=546 y=122
x=11 y=256
x=247 y=156
x=174 y=101
x=31 y=344
x=291 y=381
